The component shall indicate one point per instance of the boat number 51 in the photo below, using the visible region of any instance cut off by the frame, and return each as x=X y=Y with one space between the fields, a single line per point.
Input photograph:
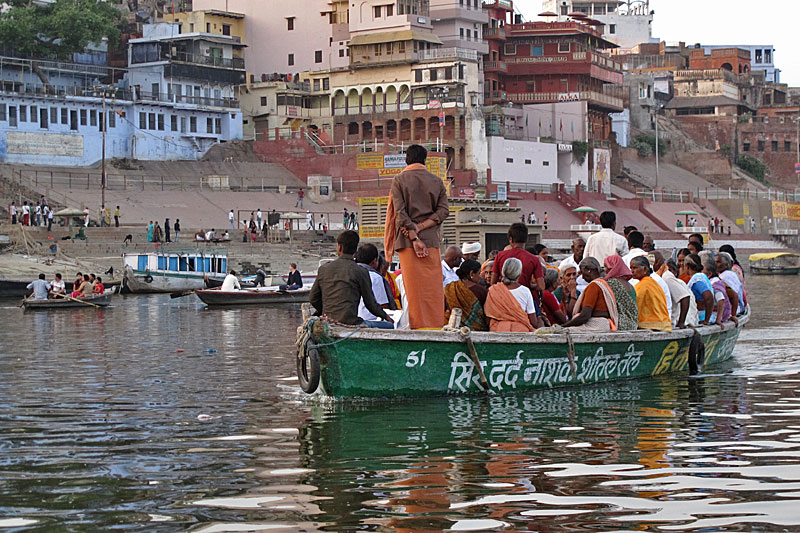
x=415 y=358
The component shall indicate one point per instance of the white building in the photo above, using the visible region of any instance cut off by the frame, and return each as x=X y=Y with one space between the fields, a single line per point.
x=762 y=57
x=627 y=22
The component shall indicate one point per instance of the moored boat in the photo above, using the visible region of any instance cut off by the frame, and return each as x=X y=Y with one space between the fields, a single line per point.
x=777 y=263
x=347 y=363
x=255 y=296
x=99 y=300
x=172 y=271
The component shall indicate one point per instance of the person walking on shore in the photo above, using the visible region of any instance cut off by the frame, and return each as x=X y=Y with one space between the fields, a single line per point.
x=150 y=228
x=177 y=229
x=258 y=219
x=167 y=229
x=26 y=214
x=116 y=217
x=300 y=195
x=49 y=219
x=13 y=211
x=230 y=220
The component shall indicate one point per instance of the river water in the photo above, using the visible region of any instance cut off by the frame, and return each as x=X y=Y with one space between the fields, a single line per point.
x=161 y=415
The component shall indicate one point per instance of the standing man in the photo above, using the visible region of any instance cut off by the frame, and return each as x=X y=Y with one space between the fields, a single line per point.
x=13 y=210
x=345 y=219
x=37 y=211
x=310 y=220
x=26 y=214
x=300 y=195
x=258 y=219
x=417 y=207
x=167 y=229
x=606 y=242
x=116 y=217
x=177 y=229
x=49 y=218
x=545 y=219
x=230 y=219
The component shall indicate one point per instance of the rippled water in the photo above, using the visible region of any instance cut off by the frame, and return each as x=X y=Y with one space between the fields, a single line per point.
x=160 y=415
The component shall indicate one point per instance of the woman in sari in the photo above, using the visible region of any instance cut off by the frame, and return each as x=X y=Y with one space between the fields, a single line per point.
x=736 y=269
x=684 y=274
x=466 y=294
x=567 y=293
x=550 y=304
x=596 y=308
x=650 y=298
x=391 y=279
x=617 y=275
x=725 y=299
x=509 y=305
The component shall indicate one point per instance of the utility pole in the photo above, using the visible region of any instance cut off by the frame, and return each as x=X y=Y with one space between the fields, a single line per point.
x=656 y=117
x=103 y=167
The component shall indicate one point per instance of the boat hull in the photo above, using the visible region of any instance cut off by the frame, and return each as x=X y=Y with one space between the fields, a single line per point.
x=384 y=363
x=158 y=282
x=776 y=271
x=61 y=303
x=252 y=297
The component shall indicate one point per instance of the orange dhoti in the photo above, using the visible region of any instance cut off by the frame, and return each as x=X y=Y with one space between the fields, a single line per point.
x=422 y=281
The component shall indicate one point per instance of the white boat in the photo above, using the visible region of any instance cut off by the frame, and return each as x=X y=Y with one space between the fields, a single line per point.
x=172 y=271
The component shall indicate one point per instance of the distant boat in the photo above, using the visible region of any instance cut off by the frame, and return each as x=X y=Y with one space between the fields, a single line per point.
x=776 y=264
x=255 y=296
x=100 y=300
x=172 y=271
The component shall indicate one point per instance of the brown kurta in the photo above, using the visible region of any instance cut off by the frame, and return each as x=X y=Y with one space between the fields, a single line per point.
x=418 y=195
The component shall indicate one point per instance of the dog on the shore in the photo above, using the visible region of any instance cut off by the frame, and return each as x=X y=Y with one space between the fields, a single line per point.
x=128 y=239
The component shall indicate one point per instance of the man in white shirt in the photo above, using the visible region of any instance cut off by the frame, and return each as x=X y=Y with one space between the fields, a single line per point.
x=635 y=243
x=471 y=250
x=684 y=306
x=578 y=247
x=58 y=286
x=367 y=257
x=606 y=242
x=258 y=219
x=231 y=282
x=452 y=260
x=211 y=235
x=230 y=219
x=13 y=210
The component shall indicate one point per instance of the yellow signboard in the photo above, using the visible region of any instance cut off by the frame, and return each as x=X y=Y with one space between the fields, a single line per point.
x=779 y=210
x=437 y=166
x=793 y=211
x=740 y=222
x=373 y=200
x=369 y=161
x=371 y=231
x=746 y=211
x=389 y=172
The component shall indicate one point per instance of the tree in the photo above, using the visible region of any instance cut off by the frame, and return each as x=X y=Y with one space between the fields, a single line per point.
x=56 y=30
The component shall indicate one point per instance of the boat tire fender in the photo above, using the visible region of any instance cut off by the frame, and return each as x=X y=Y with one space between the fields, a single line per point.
x=697 y=353
x=308 y=370
x=148 y=279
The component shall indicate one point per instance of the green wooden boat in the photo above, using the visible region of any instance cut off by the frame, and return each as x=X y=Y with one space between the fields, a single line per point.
x=347 y=363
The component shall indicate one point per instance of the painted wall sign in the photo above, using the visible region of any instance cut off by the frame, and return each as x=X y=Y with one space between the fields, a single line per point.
x=20 y=142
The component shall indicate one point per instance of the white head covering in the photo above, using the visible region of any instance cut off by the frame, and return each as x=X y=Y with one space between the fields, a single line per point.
x=471 y=248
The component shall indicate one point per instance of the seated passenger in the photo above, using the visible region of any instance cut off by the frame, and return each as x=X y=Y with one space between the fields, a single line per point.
x=567 y=292
x=737 y=269
x=467 y=295
x=391 y=279
x=596 y=308
x=683 y=273
x=725 y=298
x=98 y=287
x=230 y=283
x=58 y=287
x=294 y=280
x=684 y=306
x=724 y=264
x=367 y=258
x=509 y=305
x=341 y=284
x=617 y=276
x=550 y=304
x=40 y=288
x=84 y=289
x=700 y=286
x=650 y=298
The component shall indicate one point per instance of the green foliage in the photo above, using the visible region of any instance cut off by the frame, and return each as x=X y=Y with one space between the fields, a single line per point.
x=643 y=148
x=651 y=140
x=726 y=150
x=745 y=117
x=752 y=166
x=59 y=29
x=579 y=151
x=547 y=139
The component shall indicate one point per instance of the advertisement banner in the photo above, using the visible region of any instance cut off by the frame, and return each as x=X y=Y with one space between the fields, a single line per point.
x=779 y=210
x=793 y=211
x=394 y=161
x=389 y=172
x=373 y=200
x=371 y=231
x=369 y=161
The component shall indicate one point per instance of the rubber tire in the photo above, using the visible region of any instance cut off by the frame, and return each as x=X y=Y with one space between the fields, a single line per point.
x=148 y=279
x=308 y=370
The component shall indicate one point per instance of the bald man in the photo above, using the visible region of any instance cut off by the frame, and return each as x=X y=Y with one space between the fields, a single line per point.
x=452 y=260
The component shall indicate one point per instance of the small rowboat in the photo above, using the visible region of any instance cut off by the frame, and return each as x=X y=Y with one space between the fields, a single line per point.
x=777 y=264
x=100 y=300
x=349 y=363
x=255 y=296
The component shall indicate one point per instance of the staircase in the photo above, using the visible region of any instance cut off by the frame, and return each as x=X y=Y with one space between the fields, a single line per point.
x=570 y=202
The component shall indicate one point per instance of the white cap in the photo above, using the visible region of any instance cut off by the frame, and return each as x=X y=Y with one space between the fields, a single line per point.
x=471 y=248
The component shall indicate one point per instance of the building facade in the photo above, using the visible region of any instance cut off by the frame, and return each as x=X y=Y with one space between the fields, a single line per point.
x=627 y=23
x=762 y=57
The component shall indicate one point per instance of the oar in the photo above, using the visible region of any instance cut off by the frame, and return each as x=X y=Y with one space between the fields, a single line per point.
x=81 y=301
x=181 y=294
x=473 y=354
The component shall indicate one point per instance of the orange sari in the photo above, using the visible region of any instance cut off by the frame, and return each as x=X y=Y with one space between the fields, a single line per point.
x=652 y=303
x=504 y=312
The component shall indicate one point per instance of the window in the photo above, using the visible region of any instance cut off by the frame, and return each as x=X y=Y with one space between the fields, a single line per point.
x=341 y=52
x=290 y=23
x=509 y=159
x=401 y=47
x=160 y=122
x=208 y=27
x=226 y=29
x=209 y=125
x=73 y=120
x=461 y=32
x=527 y=161
x=564 y=10
x=318 y=56
x=759 y=56
x=154 y=89
x=142 y=120
x=612 y=29
x=316 y=84
x=193 y=124
x=774 y=146
x=53 y=115
x=34 y=116
x=326 y=84
x=510 y=49
x=761 y=145
x=417 y=76
x=173 y=123
x=389 y=48
x=93 y=118
x=151 y=121
x=746 y=146
x=389 y=10
x=102 y=125
x=378 y=49
x=537 y=51
x=23 y=113
x=563 y=48
x=787 y=146
x=448 y=73
x=64 y=115
x=12 y=116
x=545 y=163
x=83 y=117
x=461 y=68
x=291 y=60
x=376 y=12
x=434 y=74
x=42 y=116
x=183 y=124
x=218 y=126
x=767 y=55
x=112 y=119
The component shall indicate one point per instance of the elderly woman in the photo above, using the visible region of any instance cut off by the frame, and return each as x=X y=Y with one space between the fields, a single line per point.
x=596 y=308
x=617 y=275
x=550 y=304
x=650 y=298
x=510 y=306
x=567 y=293
x=725 y=299
x=467 y=295
x=737 y=269
x=724 y=264
x=700 y=286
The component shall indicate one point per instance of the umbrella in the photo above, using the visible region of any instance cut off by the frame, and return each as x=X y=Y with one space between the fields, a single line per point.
x=584 y=209
x=686 y=213
x=547 y=14
x=69 y=212
x=577 y=15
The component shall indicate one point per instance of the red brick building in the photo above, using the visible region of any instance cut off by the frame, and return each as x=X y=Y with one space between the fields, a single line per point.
x=731 y=59
x=543 y=62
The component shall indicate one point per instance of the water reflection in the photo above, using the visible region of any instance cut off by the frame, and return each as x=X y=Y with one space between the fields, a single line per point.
x=161 y=415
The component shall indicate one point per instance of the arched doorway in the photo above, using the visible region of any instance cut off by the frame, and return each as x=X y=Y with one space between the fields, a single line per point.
x=419 y=129
x=449 y=127
x=352 y=102
x=727 y=66
x=339 y=103
x=366 y=130
x=462 y=158
x=391 y=129
x=391 y=98
x=367 y=101
x=379 y=96
x=433 y=128
x=405 y=130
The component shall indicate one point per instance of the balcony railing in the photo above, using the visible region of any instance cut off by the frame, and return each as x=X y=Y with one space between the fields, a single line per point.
x=591 y=96
x=493 y=66
x=449 y=53
x=491 y=33
x=195 y=59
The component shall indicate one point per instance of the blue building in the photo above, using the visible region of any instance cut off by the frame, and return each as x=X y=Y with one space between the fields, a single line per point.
x=166 y=106
x=762 y=57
